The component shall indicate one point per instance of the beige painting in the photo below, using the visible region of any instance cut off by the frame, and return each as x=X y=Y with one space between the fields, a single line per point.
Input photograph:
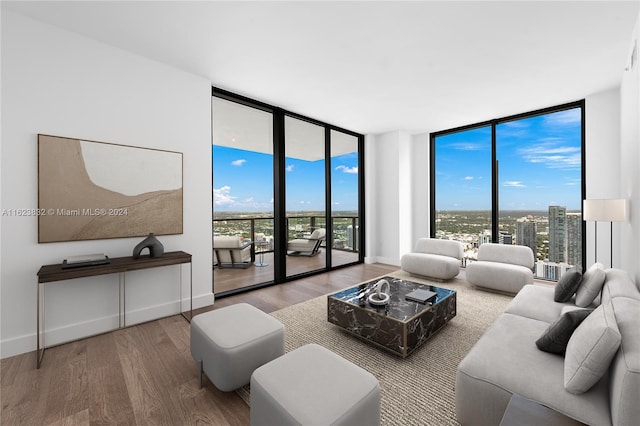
x=93 y=190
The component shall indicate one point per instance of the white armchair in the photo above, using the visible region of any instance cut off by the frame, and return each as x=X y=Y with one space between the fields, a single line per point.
x=307 y=246
x=434 y=258
x=502 y=267
x=231 y=251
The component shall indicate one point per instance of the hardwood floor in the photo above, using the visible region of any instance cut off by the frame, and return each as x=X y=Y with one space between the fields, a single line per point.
x=143 y=374
x=226 y=279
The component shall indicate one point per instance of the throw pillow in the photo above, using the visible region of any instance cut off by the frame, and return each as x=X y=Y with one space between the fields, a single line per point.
x=567 y=286
x=591 y=285
x=557 y=335
x=591 y=349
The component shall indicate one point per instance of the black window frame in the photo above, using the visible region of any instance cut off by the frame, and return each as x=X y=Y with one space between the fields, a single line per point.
x=279 y=194
x=581 y=104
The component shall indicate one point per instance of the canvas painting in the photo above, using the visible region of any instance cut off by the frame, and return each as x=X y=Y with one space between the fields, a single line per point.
x=94 y=190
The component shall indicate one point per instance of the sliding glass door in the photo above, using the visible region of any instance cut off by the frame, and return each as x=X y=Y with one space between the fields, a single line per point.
x=305 y=196
x=516 y=180
x=242 y=155
x=345 y=223
x=286 y=188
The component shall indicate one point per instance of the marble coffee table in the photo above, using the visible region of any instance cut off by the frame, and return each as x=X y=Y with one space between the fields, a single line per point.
x=402 y=325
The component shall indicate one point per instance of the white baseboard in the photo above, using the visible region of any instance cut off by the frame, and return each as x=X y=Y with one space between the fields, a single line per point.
x=386 y=260
x=70 y=332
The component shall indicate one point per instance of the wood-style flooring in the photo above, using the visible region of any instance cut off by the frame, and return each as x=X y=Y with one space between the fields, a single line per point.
x=144 y=374
x=225 y=279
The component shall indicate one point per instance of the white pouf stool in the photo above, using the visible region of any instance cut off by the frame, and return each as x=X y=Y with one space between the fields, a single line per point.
x=231 y=342
x=312 y=385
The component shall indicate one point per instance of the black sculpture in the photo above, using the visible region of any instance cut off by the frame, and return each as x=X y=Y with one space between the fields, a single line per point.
x=156 y=249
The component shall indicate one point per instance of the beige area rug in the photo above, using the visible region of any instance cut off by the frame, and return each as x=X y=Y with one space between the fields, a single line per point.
x=417 y=390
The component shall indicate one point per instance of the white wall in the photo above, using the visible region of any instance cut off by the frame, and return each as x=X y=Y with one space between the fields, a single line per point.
x=389 y=188
x=59 y=83
x=629 y=233
x=420 y=197
x=602 y=152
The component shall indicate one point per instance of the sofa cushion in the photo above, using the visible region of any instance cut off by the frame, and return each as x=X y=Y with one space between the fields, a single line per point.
x=567 y=286
x=617 y=283
x=505 y=361
x=557 y=335
x=624 y=373
x=591 y=285
x=535 y=301
x=591 y=349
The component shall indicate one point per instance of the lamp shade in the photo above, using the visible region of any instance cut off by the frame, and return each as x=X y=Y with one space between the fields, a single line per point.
x=605 y=210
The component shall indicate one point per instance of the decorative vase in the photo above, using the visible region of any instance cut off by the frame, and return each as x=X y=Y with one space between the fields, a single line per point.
x=156 y=249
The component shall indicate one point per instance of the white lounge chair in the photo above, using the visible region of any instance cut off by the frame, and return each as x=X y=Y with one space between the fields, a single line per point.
x=307 y=246
x=231 y=251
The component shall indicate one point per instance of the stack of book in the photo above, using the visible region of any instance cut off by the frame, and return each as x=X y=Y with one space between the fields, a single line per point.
x=85 y=260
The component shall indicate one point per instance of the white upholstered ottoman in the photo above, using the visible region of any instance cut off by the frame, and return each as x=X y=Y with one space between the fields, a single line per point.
x=312 y=385
x=231 y=342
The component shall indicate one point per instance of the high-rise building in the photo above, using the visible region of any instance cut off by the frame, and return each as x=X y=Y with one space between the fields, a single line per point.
x=557 y=234
x=574 y=239
x=353 y=238
x=526 y=234
x=505 y=238
x=485 y=237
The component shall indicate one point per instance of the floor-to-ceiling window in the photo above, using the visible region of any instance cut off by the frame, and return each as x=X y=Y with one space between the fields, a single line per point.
x=279 y=181
x=514 y=180
x=344 y=198
x=305 y=181
x=242 y=154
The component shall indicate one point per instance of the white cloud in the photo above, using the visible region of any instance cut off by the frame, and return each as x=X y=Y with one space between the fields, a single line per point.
x=551 y=153
x=467 y=146
x=562 y=118
x=239 y=162
x=351 y=170
x=514 y=184
x=290 y=168
x=222 y=196
x=468 y=178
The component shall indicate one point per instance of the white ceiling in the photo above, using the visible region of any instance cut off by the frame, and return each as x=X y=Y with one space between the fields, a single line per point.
x=373 y=67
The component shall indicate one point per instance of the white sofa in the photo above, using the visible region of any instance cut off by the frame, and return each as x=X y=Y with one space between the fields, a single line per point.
x=434 y=258
x=506 y=360
x=231 y=251
x=502 y=267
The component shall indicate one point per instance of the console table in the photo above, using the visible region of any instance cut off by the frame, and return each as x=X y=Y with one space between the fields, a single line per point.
x=118 y=265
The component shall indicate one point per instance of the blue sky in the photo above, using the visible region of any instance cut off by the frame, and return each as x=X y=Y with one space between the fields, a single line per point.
x=539 y=158
x=243 y=181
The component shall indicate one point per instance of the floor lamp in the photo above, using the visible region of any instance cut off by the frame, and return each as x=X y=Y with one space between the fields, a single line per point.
x=607 y=211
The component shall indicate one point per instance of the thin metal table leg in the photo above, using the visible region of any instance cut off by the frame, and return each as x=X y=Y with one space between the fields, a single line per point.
x=190 y=293
x=39 y=307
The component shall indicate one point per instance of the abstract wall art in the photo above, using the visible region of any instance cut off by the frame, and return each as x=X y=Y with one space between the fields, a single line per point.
x=91 y=190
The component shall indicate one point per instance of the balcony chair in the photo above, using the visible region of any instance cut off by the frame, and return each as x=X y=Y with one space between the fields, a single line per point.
x=307 y=246
x=231 y=251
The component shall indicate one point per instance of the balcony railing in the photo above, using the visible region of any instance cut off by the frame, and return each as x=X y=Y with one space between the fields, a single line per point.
x=345 y=229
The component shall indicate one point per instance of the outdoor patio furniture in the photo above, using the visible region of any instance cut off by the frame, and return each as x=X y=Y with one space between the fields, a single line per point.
x=307 y=246
x=231 y=251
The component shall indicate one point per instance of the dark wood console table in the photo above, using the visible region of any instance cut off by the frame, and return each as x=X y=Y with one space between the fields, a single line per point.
x=118 y=265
